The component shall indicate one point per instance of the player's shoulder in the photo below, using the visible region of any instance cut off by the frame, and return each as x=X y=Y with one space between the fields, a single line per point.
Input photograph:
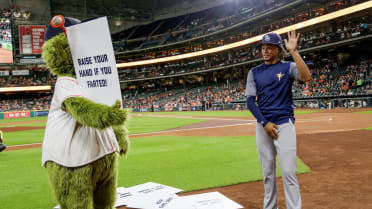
x=257 y=67
x=287 y=62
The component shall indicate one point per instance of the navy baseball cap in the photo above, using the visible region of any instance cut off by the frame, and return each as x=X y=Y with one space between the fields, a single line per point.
x=272 y=38
x=51 y=31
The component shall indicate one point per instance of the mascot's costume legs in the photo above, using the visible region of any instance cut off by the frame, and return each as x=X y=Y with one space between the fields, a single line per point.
x=90 y=186
x=83 y=139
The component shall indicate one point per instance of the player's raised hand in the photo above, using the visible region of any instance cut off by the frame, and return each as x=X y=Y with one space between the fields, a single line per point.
x=292 y=42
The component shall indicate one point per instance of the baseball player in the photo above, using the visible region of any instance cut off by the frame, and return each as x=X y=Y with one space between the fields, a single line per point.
x=271 y=83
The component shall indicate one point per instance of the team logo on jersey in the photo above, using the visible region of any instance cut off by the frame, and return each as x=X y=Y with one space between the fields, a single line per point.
x=280 y=75
x=267 y=38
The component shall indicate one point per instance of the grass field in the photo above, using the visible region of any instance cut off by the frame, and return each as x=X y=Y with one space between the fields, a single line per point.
x=136 y=125
x=23 y=181
x=364 y=112
x=23 y=137
x=217 y=113
x=189 y=163
x=153 y=124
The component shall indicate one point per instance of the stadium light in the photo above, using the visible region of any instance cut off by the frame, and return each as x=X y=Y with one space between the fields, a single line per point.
x=304 y=24
x=25 y=88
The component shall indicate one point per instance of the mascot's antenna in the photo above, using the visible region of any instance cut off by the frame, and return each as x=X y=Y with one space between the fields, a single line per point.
x=58 y=21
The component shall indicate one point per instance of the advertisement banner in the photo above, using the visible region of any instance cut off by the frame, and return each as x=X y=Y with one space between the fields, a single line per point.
x=31 y=38
x=41 y=113
x=4 y=73
x=21 y=114
x=20 y=72
x=31 y=60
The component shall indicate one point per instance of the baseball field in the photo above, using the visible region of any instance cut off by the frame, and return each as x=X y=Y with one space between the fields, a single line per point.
x=210 y=151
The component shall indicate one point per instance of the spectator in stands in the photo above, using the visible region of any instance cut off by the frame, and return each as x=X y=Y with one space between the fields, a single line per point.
x=203 y=103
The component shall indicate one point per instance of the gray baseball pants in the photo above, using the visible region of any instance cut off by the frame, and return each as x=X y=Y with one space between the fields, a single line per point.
x=285 y=148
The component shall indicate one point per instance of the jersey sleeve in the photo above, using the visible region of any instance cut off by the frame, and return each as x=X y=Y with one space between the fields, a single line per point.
x=250 y=89
x=66 y=88
x=293 y=70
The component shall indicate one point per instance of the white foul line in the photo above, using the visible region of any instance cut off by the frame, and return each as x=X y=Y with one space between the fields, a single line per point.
x=190 y=129
x=228 y=119
x=156 y=132
x=192 y=117
x=20 y=145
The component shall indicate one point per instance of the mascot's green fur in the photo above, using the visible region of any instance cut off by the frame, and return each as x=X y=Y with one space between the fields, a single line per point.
x=92 y=186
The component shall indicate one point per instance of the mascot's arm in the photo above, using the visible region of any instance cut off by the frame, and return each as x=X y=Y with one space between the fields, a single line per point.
x=121 y=133
x=95 y=115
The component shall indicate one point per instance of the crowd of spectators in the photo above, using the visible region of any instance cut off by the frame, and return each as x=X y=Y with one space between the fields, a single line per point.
x=215 y=25
x=137 y=99
x=194 y=25
x=34 y=78
x=222 y=93
x=347 y=30
x=328 y=80
x=332 y=80
x=222 y=17
x=38 y=102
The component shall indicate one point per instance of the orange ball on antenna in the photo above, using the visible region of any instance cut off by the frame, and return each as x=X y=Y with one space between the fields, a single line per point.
x=58 y=21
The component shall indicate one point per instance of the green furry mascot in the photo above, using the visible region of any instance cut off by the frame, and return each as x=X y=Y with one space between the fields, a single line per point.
x=83 y=139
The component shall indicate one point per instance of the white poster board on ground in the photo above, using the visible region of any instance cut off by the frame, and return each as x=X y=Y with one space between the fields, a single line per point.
x=94 y=60
x=211 y=200
x=145 y=195
x=169 y=202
